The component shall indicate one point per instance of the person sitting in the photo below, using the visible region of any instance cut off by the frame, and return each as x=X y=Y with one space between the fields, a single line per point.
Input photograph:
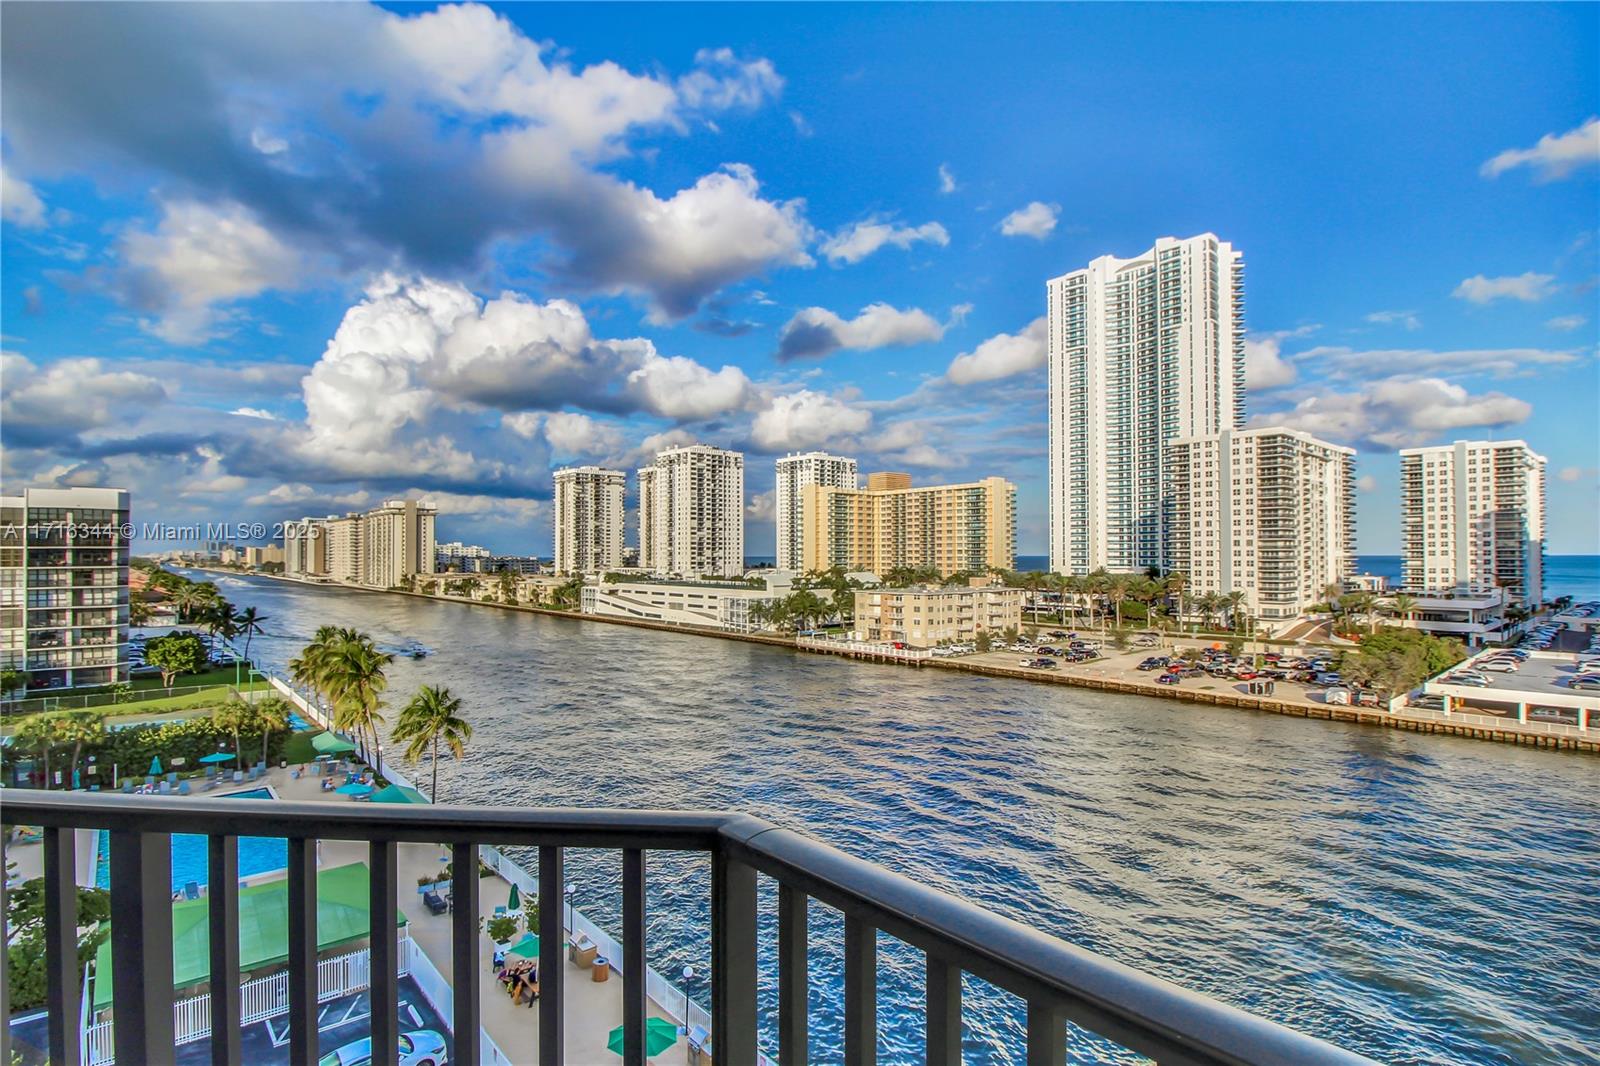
x=327 y=784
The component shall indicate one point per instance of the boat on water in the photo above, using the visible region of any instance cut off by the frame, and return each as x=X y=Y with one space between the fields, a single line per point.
x=413 y=649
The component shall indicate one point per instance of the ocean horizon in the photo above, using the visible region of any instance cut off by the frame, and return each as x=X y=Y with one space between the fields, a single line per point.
x=1577 y=576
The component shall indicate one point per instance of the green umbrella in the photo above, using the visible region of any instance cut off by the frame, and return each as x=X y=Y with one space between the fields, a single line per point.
x=399 y=794
x=331 y=743
x=155 y=766
x=514 y=902
x=526 y=948
x=659 y=1034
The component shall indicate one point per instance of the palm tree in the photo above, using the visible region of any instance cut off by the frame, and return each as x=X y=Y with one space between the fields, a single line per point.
x=1232 y=601
x=433 y=717
x=355 y=678
x=249 y=622
x=78 y=728
x=271 y=716
x=37 y=732
x=236 y=716
x=1175 y=583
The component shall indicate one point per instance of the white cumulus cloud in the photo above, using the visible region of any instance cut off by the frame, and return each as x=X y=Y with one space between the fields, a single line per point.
x=19 y=202
x=1398 y=412
x=1036 y=220
x=1529 y=288
x=947 y=179
x=806 y=419
x=855 y=242
x=1567 y=323
x=1002 y=356
x=1556 y=156
x=816 y=331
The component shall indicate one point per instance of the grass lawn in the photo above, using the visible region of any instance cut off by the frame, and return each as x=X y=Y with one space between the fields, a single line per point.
x=298 y=749
x=217 y=675
x=213 y=696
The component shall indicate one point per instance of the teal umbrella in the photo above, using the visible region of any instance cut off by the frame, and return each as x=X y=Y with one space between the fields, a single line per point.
x=354 y=788
x=155 y=766
x=526 y=948
x=659 y=1034
x=331 y=743
x=398 y=794
x=217 y=756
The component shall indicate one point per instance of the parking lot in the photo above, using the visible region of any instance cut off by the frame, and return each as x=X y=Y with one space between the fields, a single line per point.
x=1123 y=666
x=340 y=1021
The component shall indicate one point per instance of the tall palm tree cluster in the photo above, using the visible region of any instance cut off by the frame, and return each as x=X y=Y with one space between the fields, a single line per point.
x=1101 y=595
x=346 y=670
x=199 y=603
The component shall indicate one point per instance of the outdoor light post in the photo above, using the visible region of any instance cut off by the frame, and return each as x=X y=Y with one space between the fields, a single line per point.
x=566 y=894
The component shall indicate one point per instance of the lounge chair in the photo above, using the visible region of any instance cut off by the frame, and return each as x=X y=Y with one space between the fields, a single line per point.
x=172 y=777
x=166 y=788
x=127 y=785
x=183 y=788
x=434 y=902
x=191 y=890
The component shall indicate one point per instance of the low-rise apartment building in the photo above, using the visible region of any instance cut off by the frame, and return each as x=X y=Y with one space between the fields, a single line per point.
x=890 y=524
x=926 y=616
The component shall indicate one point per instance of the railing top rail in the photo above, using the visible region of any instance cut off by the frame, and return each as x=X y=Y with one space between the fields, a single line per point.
x=419 y=823
x=1144 y=1013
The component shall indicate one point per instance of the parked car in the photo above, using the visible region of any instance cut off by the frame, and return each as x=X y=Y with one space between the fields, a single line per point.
x=1337 y=697
x=1167 y=679
x=419 y=1047
x=1499 y=666
x=1470 y=680
x=1368 y=698
x=1586 y=683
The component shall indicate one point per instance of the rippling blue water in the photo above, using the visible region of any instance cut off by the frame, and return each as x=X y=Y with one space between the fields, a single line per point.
x=1419 y=899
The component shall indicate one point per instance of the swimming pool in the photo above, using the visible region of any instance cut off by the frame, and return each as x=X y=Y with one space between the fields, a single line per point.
x=190 y=859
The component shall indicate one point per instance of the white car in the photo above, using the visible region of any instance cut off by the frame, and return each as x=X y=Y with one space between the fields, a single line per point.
x=1469 y=680
x=1499 y=666
x=420 y=1047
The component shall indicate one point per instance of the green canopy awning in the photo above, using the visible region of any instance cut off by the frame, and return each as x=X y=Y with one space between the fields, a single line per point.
x=399 y=794
x=342 y=917
x=331 y=743
x=526 y=948
x=659 y=1034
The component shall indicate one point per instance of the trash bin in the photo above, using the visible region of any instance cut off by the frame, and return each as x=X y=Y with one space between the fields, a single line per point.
x=601 y=970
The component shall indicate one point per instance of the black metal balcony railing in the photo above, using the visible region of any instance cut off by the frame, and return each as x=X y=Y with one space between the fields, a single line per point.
x=1059 y=982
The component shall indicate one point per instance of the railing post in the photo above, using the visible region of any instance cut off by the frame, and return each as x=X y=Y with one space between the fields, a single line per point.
x=551 y=964
x=1047 y=1045
x=302 y=974
x=141 y=945
x=384 y=960
x=860 y=992
x=222 y=894
x=61 y=943
x=5 y=955
x=793 y=988
x=733 y=961
x=633 y=967
x=944 y=1013
x=464 y=980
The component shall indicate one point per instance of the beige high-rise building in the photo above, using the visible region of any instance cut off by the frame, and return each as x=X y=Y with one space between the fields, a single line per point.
x=696 y=513
x=795 y=473
x=1269 y=513
x=64 y=586
x=890 y=524
x=1472 y=519
x=588 y=519
x=381 y=547
x=647 y=520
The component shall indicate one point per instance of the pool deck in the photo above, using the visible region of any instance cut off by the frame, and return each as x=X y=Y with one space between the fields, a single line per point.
x=591 y=1009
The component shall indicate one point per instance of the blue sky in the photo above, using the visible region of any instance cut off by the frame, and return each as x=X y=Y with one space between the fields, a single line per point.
x=266 y=261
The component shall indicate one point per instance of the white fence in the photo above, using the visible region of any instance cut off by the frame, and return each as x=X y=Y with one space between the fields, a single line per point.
x=265 y=997
x=438 y=992
x=864 y=649
x=1490 y=721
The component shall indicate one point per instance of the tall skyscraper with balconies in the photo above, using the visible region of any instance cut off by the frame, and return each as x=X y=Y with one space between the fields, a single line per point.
x=1472 y=519
x=383 y=547
x=588 y=519
x=647 y=517
x=795 y=473
x=1268 y=513
x=694 y=507
x=64 y=586
x=1142 y=351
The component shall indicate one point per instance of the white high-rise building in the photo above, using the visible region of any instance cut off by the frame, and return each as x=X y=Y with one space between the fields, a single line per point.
x=647 y=512
x=795 y=472
x=588 y=519
x=1142 y=351
x=1269 y=513
x=694 y=506
x=1472 y=520
x=382 y=547
x=64 y=586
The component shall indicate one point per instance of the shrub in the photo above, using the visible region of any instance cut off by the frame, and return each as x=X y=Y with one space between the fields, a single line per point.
x=502 y=929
